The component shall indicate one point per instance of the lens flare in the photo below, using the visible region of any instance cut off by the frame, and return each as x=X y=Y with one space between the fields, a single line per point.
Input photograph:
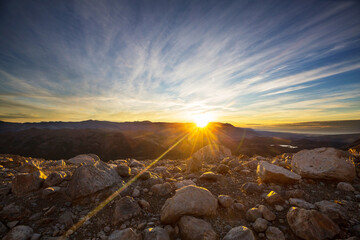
x=202 y=120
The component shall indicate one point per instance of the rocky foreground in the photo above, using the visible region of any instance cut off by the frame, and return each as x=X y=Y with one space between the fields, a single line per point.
x=313 y=194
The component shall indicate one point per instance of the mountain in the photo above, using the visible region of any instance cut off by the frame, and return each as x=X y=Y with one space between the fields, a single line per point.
x=148 y=140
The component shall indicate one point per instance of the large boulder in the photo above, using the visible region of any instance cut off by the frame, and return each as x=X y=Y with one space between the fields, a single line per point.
x=212 y=153
x=192 y=228
x=240 y=232
x=90 y=178
x=189 y=200
x=27 y=182
x=271 y=173
x=334 y=211
x=311 y=224
x=324 y=163
x=84 y=159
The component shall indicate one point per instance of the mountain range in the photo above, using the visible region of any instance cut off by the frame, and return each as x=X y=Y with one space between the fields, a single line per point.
x=148 y=140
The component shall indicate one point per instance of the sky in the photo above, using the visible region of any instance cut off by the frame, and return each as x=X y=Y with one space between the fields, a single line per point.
x=248 y=63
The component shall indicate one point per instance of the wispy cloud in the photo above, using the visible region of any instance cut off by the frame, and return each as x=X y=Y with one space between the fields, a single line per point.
x=166 y=60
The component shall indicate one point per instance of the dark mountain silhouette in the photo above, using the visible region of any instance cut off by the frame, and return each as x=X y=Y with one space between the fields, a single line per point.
x=147 y=140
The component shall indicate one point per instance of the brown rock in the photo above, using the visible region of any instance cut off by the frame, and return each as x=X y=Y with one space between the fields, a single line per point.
x=274 y=198
x=123 y=170
x=240 y=232
x=189 y=200
x=324 y=163
x=260 y=225
x=209 y=176
x=225 y=201
x=253 y=214
x=222 y=169
x=334 y=211
x=20 y=232
x=275 y=174
x=125 y=208
x=311 y=224
x=82 y=159
x=161 y=189
x=27 y=182
x=126 y=234
x=273 y=233
x=194 y=164
x=192 y=228
x=347 y=187
x=54 y=179
x=157 y=233
x=266 y=213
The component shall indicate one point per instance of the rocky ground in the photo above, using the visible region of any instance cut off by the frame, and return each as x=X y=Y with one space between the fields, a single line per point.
x=313 y=194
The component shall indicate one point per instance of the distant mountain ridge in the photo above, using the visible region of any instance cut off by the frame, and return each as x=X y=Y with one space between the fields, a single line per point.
x=147 y=140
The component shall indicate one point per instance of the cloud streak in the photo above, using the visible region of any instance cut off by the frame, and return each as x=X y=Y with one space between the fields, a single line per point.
x=163 y=61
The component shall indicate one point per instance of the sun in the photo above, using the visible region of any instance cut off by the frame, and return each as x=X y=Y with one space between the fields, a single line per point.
x=202 y=120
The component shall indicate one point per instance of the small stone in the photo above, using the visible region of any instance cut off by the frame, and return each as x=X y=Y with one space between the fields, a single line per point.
x=209 y=176
x=161 y=189
x=225 y=201
x=136 y=193
x=20 y=232
x=266 y=213
x=35 y=236
x=123 y=170
x=239 y=206
x=125 y=234
x=344 y=186
x=260 y=225
x=279 y=208
x=253 y=214
x=301 y=203
x=107 y=229
x=274 y=233
x=274 y=198
x=240 y=232
x=144 y=204
x=222 y=169
x=157 y=233
x=251 y=187
x=192 y=228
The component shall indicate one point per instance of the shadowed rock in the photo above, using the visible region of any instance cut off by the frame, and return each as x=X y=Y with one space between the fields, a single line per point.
x=27 y=182
x=192 y=228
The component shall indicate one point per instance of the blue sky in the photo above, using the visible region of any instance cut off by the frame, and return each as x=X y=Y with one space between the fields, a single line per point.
x=243 y=62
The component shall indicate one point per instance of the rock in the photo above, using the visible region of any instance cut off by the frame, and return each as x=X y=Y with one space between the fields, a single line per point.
x=233 y=163
x=274 y=198
x=123 y=170
x=35 y=236
x=260 y=225
x=270 y=173
x=12 y=224
x=27 y=182
x=253 y=214
x=88 y=179
x=192 y=228
x=20 y=232
x=240 y=232
x=194 y=165
x=161 y=189
x=13 y=212
x=266 y=213
x=126 y=234
x=311 y=224
x=184 y=183
x=144 y=204
x=347 y=187
x=209 y=176
x=29 y=167
x=251 y=164
x=251 y=187
x=125 y=208
x=355 y=230
x=239 y=206
x=135 y=193
x=83 y=159
x=3 y=229
x=324 y=163
x=212 y=153
x=223 y=169
x=135 y=163
x=334 y=211
x=157 y=233
x=66 y=219
x=49 y=191
x=145 y=175
x=225 y=201
x=301 y=203
x=273 y=233
x=295 y=193
x=54 y=179
x=189 y=200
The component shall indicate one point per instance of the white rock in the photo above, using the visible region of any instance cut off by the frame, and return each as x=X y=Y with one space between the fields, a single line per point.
x=324 y=163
